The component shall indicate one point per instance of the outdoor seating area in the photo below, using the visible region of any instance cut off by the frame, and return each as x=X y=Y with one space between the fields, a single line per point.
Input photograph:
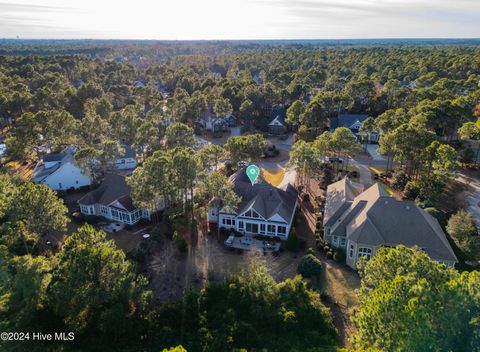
x=250 y=243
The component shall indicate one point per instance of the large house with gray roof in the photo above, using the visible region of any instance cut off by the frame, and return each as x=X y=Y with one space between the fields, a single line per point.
x=362 y=221
x=263 y=210
x=112 y=201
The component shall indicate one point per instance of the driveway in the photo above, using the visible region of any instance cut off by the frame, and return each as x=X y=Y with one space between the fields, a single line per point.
x=364 y=171
x=372 y=150
x=290 y=176
x=472 y=196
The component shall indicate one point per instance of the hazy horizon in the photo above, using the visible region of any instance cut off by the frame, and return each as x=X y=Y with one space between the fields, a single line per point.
x=240 y=19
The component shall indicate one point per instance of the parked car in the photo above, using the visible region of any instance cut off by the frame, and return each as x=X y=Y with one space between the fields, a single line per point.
x=242 y=163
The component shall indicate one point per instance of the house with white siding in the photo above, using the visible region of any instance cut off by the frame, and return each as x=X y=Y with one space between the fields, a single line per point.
x=362 y=221
x=60 y=171
x=126 y=160
x=264 y=209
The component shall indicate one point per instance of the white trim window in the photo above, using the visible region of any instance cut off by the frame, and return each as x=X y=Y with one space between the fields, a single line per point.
x=351 y=251
x=365 y=252
x=251 y=214
x=335 y=241
x=262 y=229
x=271 y=229
x=343 y=242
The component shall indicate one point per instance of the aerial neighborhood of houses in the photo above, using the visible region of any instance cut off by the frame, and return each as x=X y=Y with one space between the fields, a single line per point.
x=356 y=218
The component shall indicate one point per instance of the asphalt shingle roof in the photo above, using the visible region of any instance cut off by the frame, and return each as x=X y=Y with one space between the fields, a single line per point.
x=262 y=197
x=375 y=219
x=346 y=120
x=113 y=188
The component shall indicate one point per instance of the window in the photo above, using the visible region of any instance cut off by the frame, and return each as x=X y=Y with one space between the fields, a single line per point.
x=335 y=240
x=76 y=182
x=251 y=214
x=343 y=242
x=262 y=228
x=240 y=225
x=282 y=230
x=351 y=251
x=252 y=228
x=271 y=229
x=60 y=185
x=365 y=252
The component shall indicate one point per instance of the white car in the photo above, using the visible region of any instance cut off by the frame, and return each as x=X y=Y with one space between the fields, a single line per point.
x=229 y=240
x=242 y=163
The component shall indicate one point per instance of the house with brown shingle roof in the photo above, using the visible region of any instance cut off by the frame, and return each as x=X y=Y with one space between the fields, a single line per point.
x=362 y=221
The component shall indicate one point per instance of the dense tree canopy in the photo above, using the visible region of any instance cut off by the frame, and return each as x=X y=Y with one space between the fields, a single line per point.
x=410 y=303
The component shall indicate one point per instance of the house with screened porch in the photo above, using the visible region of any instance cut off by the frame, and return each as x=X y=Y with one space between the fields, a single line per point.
x=264 y=209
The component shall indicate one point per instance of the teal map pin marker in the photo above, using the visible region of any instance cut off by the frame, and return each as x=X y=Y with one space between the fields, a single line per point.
x=252 y=172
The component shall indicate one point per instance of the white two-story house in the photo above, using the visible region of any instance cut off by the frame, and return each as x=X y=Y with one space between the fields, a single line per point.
x=264 y=209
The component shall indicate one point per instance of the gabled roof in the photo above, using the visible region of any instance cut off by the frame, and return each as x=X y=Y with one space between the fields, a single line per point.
x=376 y=219
x=113 y=189
x=278 y=114
x=263 y=198
x=41 y=172
x=340 y=196
x=346 y=120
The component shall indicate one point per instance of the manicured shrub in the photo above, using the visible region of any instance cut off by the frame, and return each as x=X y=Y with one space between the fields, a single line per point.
x=310 y=266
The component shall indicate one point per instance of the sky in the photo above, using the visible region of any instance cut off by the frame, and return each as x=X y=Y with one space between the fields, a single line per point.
x=239 y=19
